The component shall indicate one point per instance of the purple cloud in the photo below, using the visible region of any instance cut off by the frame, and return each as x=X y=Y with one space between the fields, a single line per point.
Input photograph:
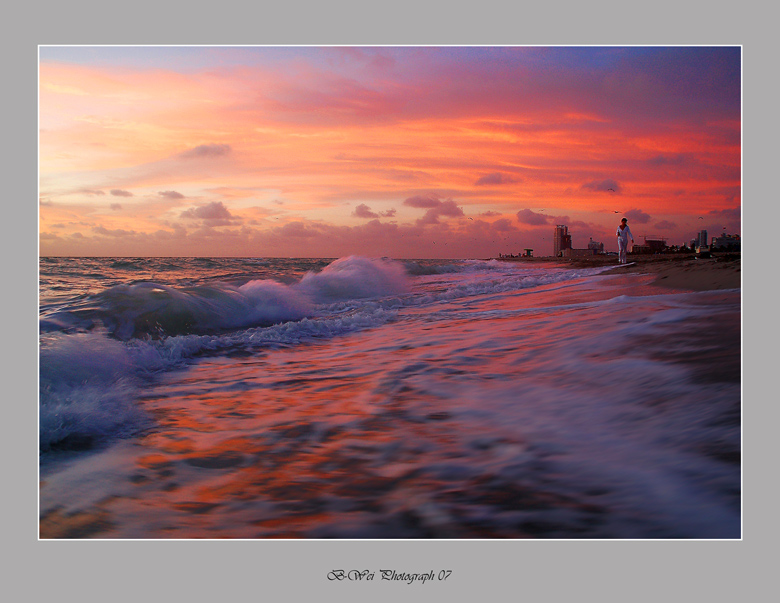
x=444 y=208
x=734 y=213
x=526 y=216
x=494 y=179
x=297 y=230
x=117 y=192
x=364 y=211
x=673 y=159
x=206 y=150
x=502 y=225
x=112 y=233
x=607 y=185
x=422 y=201
x=638 y=216
x=171 y=194
x=213 y=211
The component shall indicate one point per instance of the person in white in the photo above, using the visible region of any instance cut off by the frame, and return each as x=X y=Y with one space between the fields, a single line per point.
x=623 y=233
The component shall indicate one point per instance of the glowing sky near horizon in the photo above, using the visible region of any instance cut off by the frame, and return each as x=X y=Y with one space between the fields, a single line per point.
x=387 y=151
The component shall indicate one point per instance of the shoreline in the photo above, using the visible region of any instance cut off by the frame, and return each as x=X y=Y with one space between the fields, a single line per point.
x=674 y=271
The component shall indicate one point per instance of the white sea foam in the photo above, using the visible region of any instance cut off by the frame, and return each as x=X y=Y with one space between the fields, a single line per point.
x=355 y=278
x=88 y=388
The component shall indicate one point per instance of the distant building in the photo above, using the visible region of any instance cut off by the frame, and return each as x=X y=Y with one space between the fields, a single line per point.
x=561 y=239
x=652 y=244
x=656 y=244
x=726 y=241
x=595 y=246
x=701 y=243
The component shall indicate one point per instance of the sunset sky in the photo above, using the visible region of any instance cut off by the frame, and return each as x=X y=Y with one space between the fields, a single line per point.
x=407 y=152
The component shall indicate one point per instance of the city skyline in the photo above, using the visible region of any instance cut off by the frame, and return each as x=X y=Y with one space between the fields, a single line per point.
x=562 y=239
x=385 y=151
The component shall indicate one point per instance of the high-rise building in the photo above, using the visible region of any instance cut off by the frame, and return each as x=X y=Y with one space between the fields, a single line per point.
x=561 y=239
x=702 y=238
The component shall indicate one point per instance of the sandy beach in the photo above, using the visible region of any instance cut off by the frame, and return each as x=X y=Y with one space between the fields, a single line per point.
x=684 y=272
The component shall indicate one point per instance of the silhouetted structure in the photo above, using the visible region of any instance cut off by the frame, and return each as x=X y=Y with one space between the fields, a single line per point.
x=727 y=242
x=700 y=242
x=561 y=239
x=595 y=246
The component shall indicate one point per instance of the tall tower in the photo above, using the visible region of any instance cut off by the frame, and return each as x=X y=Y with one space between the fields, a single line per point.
x=703 y=238
x=561 y=239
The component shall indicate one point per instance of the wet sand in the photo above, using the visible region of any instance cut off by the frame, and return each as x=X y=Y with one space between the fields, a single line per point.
x=685 y=272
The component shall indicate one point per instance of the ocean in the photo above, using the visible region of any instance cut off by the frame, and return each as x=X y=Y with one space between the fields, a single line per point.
x=365 y=398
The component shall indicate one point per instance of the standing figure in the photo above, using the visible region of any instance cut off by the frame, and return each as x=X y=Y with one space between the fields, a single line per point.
x=623 y=232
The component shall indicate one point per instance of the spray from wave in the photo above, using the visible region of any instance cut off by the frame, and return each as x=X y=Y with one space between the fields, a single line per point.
x=99 y=352
x=150 y=309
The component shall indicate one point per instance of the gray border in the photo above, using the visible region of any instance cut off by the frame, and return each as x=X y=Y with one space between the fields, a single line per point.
x=610 y=571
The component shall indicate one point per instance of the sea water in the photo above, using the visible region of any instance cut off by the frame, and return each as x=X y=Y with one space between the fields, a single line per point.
x=375 y=398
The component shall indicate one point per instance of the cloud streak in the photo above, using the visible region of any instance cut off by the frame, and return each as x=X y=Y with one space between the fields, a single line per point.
x=608 y=185
x=206 y=151
x=494 y=179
